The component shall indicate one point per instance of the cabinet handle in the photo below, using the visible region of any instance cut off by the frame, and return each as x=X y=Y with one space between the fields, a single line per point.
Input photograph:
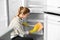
x=58 y=7
x=58 y=21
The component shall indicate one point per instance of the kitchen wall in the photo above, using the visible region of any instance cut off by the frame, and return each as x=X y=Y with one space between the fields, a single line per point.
x=11 y=11
x=3 y=17
x=13 y=8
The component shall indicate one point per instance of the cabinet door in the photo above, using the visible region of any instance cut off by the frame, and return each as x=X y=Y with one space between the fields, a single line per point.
x=53 y=31
x=53 y=28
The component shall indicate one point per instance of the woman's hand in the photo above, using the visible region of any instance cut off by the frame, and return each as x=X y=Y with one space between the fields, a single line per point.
x=40 y=26
x=25 y=24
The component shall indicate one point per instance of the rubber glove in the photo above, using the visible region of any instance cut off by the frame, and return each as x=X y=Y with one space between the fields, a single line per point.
x=37 y=27
x=25 y=24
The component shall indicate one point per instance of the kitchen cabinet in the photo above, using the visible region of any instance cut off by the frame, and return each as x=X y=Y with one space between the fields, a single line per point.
x=54 y=3
x=53 y=6
x=53 y=32
x=52 y=27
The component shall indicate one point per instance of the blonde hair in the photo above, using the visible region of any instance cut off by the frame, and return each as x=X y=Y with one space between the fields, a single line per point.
x=23 y=10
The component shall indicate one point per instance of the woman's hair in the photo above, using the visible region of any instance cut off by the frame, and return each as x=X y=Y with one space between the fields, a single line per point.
x=23 y=10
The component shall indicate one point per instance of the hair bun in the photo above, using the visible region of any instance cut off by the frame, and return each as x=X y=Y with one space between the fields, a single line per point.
x=21 y=7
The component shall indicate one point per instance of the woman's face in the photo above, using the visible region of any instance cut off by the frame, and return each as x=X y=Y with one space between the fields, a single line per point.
x=24 y=15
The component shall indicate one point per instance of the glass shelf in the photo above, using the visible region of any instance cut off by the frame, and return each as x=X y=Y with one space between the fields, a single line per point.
x=35 y=20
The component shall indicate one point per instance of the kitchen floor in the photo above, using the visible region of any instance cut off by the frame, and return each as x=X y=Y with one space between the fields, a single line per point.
x=34 y=36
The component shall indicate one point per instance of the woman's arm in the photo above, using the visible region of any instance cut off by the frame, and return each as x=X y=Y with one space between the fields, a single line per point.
x=12 y=24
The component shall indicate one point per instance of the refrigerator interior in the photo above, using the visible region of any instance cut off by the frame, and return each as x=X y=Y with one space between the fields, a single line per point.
x=32 y=20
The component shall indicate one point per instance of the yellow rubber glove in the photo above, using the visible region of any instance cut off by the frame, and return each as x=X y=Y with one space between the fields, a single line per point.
x=37 y=27
x=25 y=24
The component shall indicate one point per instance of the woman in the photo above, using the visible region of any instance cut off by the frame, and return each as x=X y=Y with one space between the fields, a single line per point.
x=18 y=31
